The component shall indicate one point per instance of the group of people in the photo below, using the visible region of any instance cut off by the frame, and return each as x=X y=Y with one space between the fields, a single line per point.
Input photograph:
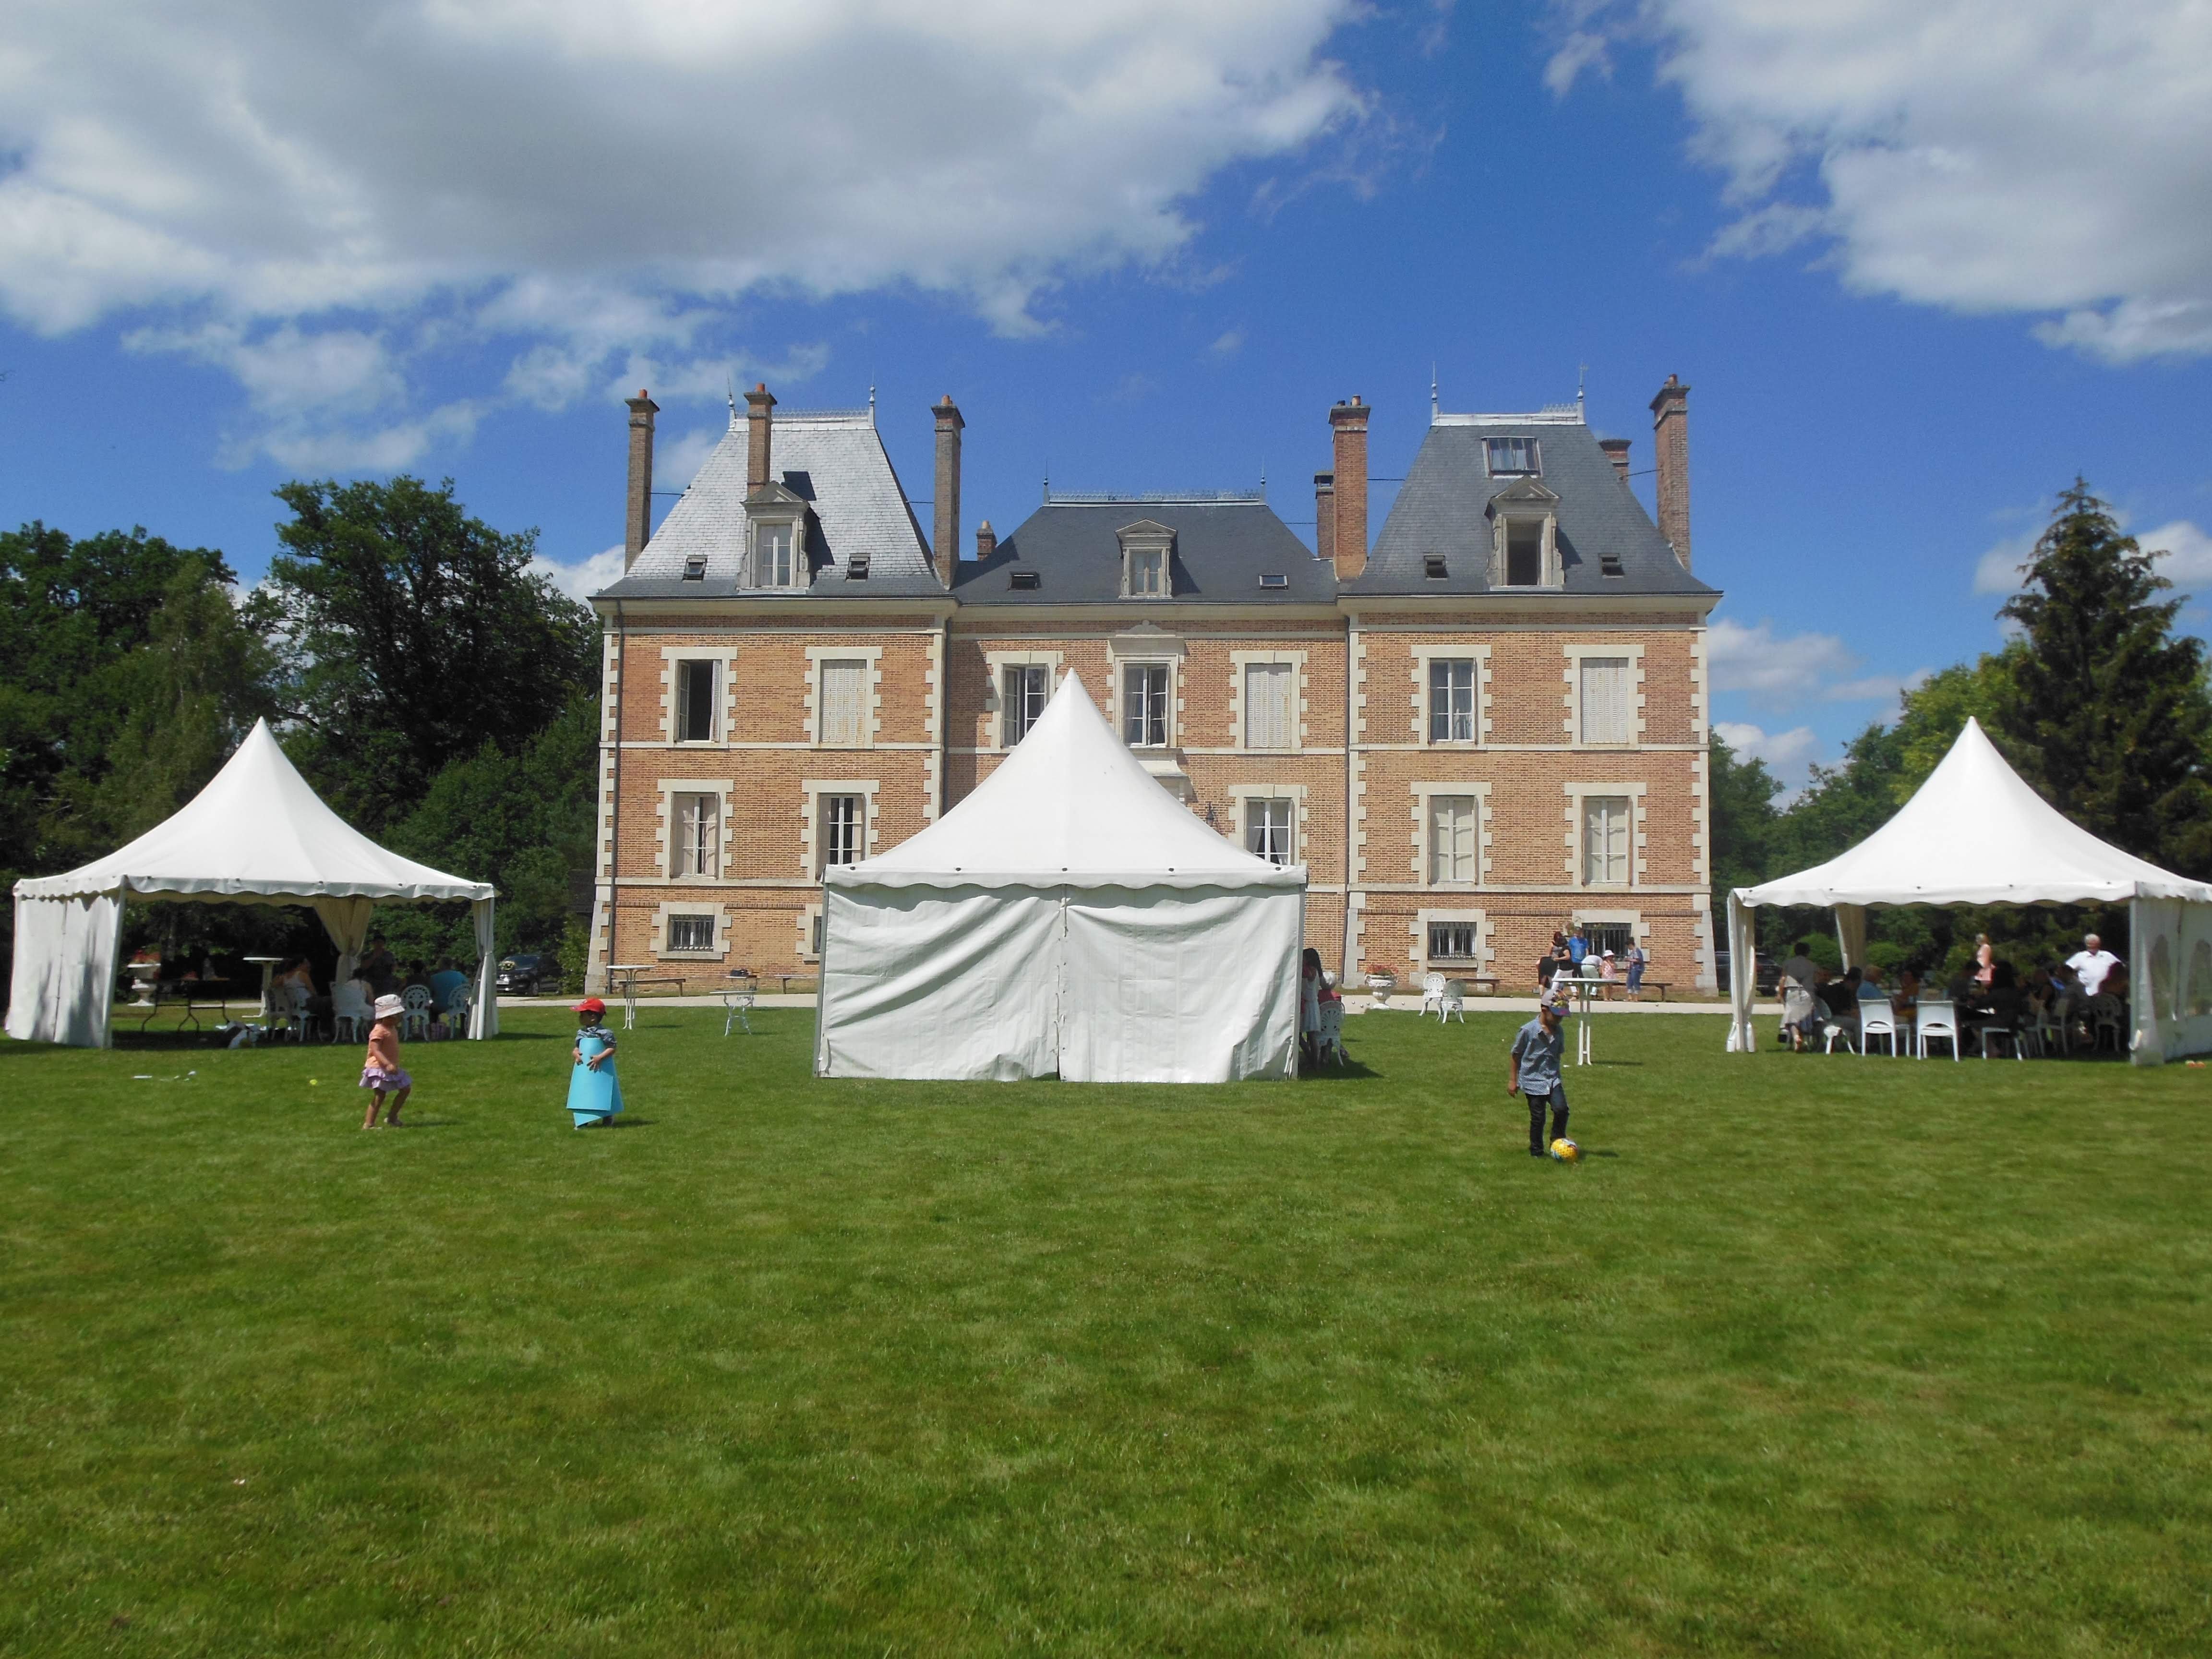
x=594 y=1092
x=1989 y=993
x=1573 y=954
x=377 y=976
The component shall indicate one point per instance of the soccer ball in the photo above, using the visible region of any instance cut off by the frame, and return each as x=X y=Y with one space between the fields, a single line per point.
x=1566 y=1151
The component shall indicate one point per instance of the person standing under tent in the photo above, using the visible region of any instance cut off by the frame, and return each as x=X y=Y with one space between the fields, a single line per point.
x=2093 y=965
x=1985 y=962
x=1532 y=1069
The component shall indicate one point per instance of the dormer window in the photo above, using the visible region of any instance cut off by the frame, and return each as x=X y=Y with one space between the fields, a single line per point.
x=774 y=550
x=1513 y=458
x=694 y=567
x=1524 y=552
x=1432 y=567
x=856 y=567
x=1525 y=530
x=1147 y=561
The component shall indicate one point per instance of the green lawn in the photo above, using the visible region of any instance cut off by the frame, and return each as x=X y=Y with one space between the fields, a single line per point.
x=1814 y=1356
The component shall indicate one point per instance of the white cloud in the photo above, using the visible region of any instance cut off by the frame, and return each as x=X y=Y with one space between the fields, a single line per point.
x=1983 y=155
x=676 y=463
x=1776 y=672
x=589 y=179
x=585 y=577
x=2185 y=548
x=1998 y=571
x=1787 y=754
x=1229 y=344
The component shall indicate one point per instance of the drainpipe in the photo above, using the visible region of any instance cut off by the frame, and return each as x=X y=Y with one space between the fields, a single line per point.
x=614 y=812
x=1350 y=659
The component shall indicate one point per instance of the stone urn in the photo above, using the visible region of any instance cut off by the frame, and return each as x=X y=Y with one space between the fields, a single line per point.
x=1381 y=982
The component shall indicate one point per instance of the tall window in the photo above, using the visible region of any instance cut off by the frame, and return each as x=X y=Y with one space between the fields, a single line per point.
x=1605 y=841
x=1454 y=847
x=773 y=555
x=1524 y=552
x=1451 y=700
x=1509 y=456
x=1022 y=695
x=844 y=818
x=695 y=701
x=691 y=932
x=1271 y=717
x=1144 y=705
x=698 y=836
x=1148 y=572
x=1607 y=715
x=1267 y=829
x=845 y=702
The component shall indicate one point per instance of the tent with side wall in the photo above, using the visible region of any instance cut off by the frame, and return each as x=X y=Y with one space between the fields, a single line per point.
x=1974 y=833
x=256 y=835
x=1069 y=916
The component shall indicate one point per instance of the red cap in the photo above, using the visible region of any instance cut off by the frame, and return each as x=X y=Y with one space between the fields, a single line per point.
x=590 y=1006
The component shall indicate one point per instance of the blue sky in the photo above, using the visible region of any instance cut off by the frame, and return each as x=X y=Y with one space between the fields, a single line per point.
x=1920 y=263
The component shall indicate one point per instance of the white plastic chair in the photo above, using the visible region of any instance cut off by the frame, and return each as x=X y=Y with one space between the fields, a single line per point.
x=1849 y=1028
x=1432 y=994
x=1876 y=1020
x=1455 y=1002
x=2105 y=1015
x=350 y=1013
x=458 y=1007
x=1939 y=1020
x=1328 y=1043
x=414 y=1012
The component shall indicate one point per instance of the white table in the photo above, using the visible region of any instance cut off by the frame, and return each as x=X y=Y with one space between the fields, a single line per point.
x=268 y=966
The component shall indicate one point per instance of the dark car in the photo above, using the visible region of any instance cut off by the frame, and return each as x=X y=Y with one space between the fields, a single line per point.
x=1767 y=974
x=530 y=975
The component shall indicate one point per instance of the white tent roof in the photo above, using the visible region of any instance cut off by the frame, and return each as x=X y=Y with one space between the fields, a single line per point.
x=1974 y=833
x=1070 y=807
x=257 y=830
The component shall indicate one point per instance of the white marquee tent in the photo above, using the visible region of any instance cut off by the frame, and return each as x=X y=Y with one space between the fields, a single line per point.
x=257 y=834
x=1974 y=833
x=1069 y=916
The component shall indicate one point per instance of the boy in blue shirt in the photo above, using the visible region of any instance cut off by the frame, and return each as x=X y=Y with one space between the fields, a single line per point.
x=1532 y=1068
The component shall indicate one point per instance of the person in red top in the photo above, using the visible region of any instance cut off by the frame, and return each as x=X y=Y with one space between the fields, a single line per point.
x=382 y=1073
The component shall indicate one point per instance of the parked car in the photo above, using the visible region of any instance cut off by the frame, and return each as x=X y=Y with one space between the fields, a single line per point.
x=531 y=974
x=1766 y=974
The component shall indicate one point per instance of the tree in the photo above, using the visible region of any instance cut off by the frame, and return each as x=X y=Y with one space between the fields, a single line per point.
x=413 y=635
x=2104 y=706
x=1742 y=817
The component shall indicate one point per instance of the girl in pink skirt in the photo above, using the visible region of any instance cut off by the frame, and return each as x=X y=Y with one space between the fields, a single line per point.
x=383 y=1073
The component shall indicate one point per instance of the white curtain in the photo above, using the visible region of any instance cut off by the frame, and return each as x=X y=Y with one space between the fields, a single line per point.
x=1851 y=934
x=483 y=1017
x=64 y=982
x=1743 y=976
x=346 y=920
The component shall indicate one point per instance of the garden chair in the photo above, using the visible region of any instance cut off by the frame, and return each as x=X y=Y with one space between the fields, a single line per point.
x=1939 y=1021
x=1455 y=1002
x=1329 y=1042
x=414 y=1013
x=736 y=998
x=455 y=1020
x=350 y=1013
x=1433 y=995
x=1848 y=1027
x=2105 y=1016
x=1876 y=1020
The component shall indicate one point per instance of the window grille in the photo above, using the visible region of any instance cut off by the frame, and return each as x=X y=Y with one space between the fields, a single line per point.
x=691 y=932
x=1267 y=829
x=1605 y=841
x=1607 y=715
x=1454 y=848
x=695 y=701
x=698 y=842
x=844 y=702
x=1021 y=700
x=843 y=818
x=1144 y=705
x=1512 y=456
x=1452 y=941
x=1270 y=715
x=1614 y=936
x=1451 y=700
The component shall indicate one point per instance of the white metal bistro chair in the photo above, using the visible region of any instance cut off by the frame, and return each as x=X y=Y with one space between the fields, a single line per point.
x=1877 y=1020
x=1329 y=1041
x=414 y=1013
x=350 y=1013
x=1939 y=1021
x=1433 y=995
x=1455 y=1002
x=736 y=998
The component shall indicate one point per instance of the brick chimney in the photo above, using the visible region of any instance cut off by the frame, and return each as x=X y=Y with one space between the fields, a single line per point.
x=637 y=512
x=758 y=402
x=1616 y=450
x=1670 y=437
x=987 y=541
x=1347 y=425
x=946 y=495
x=1325 y=516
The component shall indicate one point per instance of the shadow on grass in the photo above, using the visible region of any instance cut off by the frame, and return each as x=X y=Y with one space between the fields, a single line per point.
x=1325 y=1073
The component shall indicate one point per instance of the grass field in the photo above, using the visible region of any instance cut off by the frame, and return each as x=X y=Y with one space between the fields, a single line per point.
x=1814 y=1357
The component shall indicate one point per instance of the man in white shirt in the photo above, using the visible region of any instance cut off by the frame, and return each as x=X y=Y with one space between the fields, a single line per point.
x=2091 y=964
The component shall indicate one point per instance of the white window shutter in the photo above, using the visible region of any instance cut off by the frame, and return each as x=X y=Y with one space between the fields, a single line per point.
x=1269 y=718
x=844 y=703
x=1606 y=713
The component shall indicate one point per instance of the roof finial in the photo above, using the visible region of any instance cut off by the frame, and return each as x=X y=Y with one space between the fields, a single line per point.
x=731 y=381
x=1432 y=394
x=1048 y=484
x=872 y=401
x=1582 y=380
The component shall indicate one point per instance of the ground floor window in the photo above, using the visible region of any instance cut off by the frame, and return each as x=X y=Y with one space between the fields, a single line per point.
x=1453 y=941
x=1614 y=936
x=691 y=933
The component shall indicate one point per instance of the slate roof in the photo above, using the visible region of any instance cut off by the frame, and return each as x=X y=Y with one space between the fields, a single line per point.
x=836 y=460
x=1221 y=549
x=1442 y=508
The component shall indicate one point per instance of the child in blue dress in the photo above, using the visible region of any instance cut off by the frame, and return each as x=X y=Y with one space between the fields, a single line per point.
x=594 y=1092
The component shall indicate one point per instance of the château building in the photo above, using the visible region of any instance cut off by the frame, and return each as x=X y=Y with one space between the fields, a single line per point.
x=1489 y=725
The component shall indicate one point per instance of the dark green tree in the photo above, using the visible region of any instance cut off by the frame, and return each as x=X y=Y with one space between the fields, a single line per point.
x=1744 y=819
x=415 y=635
x=2106 y=706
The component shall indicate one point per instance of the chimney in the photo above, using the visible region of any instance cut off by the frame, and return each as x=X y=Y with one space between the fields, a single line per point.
x=758 y=402
x=1347 y=425
x=1616 y=450
x=987 y=541
x=946 y=494
x=1670 y=437
x=637 y=517
x=1325 y=516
